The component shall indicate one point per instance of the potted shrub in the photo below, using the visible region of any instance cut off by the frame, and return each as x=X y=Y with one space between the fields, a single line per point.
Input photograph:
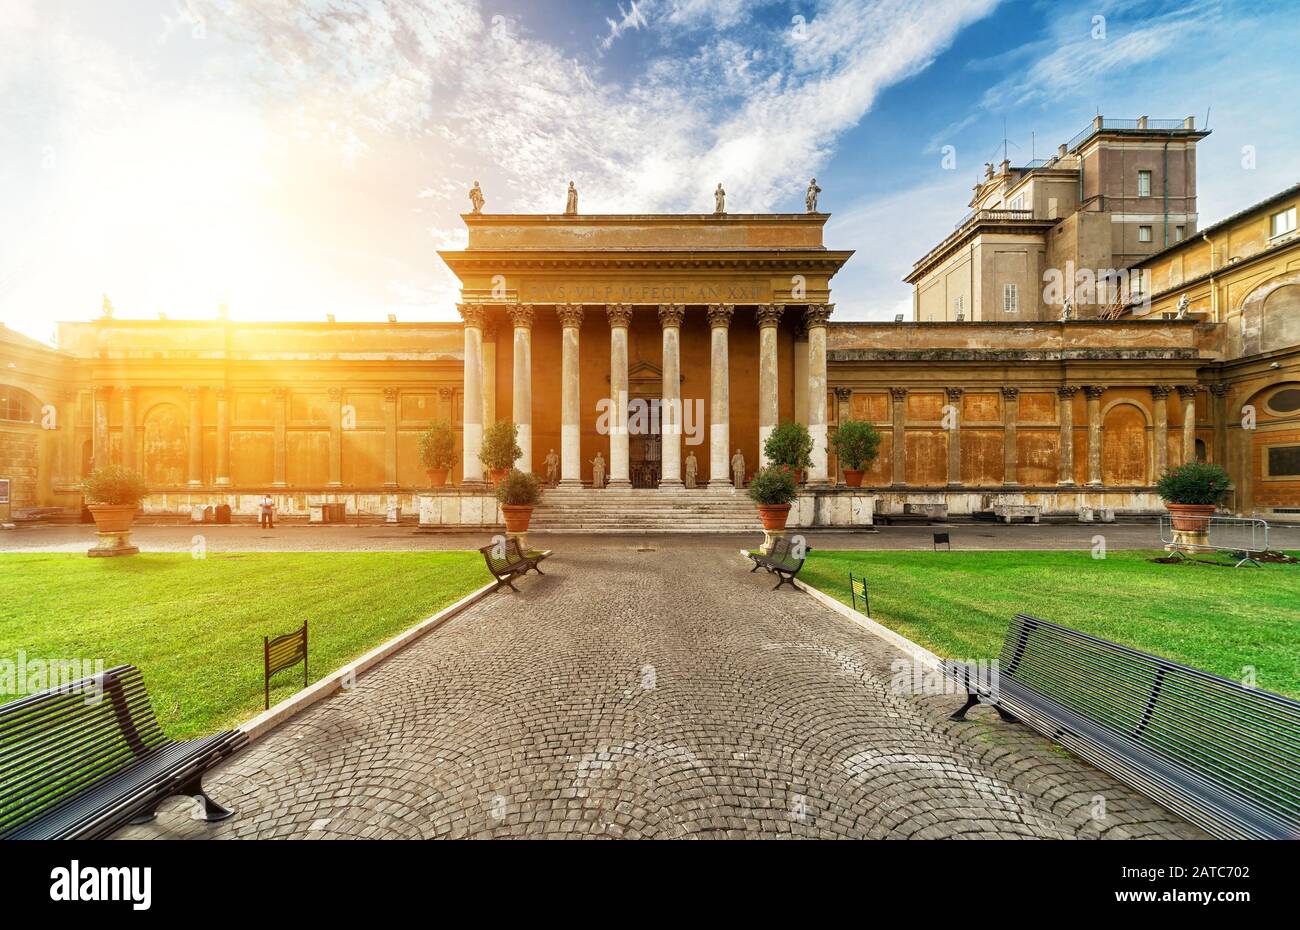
x=438 y=452
x=112 y=495
x=773 y=490
x=856 y=443
x=500 y=449
x=1192 y=491
x=518 y=492
x=790 y=445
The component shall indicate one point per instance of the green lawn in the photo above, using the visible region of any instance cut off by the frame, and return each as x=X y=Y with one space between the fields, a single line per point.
x=1222 y=620
x=194 y=627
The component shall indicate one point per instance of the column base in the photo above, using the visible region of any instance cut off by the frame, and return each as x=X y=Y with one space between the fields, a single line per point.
x=1065 y=484
x=193 y=484
x=720 y=484
x=391 y=484
x=817 y=483
x=1011 y=484
x=955 y=484
x=619 y=486
x=475 y=484
x=1094 y=484
x=222 y=482
x=279 y=484
x=334 y=484
x=570 y=484
x=672 y=485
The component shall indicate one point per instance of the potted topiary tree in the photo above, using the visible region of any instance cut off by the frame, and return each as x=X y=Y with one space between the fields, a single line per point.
x=518 y=492
x=500 y=449
x=773 y=489
x=438 y=452
x=856 y=442
x=1191 y=492
x=790 y=445
x=112 y=495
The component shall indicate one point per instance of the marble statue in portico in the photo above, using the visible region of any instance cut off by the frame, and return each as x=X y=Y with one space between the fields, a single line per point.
x=552 y=462
x=598 y=471
x=738 y=469
x=692 y=469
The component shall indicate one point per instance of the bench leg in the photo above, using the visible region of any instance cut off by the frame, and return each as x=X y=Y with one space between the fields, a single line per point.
x=537 y=568
x=971 y=701
x=212 y=811
x=1004 y=715
x=785 y=579
x=756 y=566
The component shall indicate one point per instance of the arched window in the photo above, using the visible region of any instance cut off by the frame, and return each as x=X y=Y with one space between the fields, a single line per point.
x=17 y=406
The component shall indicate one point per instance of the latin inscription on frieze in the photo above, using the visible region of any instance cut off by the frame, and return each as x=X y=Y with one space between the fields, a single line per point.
x=685 y=292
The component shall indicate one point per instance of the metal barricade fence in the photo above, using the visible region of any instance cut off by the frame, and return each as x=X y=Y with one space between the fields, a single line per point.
x=1244 y=536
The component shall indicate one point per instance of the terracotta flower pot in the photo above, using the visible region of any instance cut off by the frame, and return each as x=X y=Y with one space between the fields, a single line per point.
x=774 y=515
x=113 y=523
x=1190 y=518
x=437 y=477
x=497 y=475
x=853 y=478
x=517 y=517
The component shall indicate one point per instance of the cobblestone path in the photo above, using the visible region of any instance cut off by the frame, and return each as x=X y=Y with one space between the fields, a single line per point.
x=663 y=693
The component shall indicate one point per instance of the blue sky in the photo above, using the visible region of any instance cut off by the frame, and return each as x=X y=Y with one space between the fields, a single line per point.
x=300 y=157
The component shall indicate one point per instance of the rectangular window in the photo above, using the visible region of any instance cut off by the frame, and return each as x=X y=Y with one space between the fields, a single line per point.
x=1144 y=234
x=1010 y=299
x=1144 y=183
x=1283 y=223
x=1284 y=461
x=958 y=303
x=1179 y=233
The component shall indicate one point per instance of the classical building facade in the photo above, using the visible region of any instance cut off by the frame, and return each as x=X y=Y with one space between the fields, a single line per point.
x=665 y=344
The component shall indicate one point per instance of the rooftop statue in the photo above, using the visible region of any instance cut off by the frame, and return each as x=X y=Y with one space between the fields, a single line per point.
x=810 y=200
x=571 y=203
x=719 y=200
x=476 y=198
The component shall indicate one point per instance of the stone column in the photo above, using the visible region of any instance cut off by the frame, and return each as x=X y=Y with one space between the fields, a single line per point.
x=195 y=470
x=769 y=318
x=1010 y=453
x=719 y=398
x=1219 y=413
x=222 y=477
x=280 y=412
x=488 y=365
x=816 y=316
x=670 y=408
x=899 y=419
x=570 y=404
x=1187 y=392
x=336 y=438
x=1094 y=393
x=953 y=422
x=521 y=410
x=99 y=448
x=128 y=425
x=1065 y=414
x=620 y=318
x=68 y=424
x=842 y=396
x=472 y=415
x=390 y=437
x=1160 y=412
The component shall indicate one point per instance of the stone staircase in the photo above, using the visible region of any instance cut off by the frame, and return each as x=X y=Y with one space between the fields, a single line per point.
x=645 y=511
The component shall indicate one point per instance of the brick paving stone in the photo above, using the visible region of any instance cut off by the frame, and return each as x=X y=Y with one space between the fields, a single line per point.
x=654 y=694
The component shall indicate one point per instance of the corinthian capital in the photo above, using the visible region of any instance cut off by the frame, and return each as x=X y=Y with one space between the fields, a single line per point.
x=473 y=314
x=671 y=314
x=769 y=315
x=570 y=315
x=619 y=315
x=720 y=315
x=521 y=315
x=818 y=314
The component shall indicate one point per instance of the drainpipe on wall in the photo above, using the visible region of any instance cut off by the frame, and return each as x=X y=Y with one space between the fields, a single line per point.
x=1164 y=206
x=1214 y=291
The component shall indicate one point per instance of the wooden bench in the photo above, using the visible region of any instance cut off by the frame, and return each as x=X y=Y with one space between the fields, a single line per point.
x=510 y=561
x=77 y=766
x=1224 y=756
x=781 y=560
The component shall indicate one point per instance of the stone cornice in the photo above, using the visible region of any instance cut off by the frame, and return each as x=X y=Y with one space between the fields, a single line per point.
x=500 y=261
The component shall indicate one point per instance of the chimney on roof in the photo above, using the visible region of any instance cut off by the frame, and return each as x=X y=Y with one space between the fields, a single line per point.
x=1061 y=150
x=1189 y=122
x=1142 y=122
x=1005 y=166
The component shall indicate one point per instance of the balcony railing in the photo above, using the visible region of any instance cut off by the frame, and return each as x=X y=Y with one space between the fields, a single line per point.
x=1157 y=125
x=994 y=216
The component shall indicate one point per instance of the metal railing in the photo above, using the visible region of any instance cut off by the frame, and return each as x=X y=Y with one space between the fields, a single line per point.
x=1157 y=125
x=1246 y=537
